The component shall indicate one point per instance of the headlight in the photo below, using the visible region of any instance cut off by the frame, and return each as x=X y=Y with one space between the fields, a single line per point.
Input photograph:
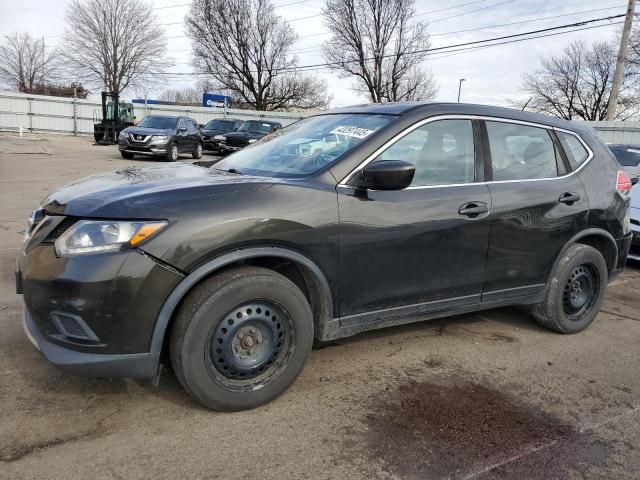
x=253 y=140
x=94 y=236
x=159 y=137
x=220 y=137
x=123 y=134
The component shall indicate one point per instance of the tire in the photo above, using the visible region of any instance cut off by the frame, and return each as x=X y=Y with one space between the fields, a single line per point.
x=575 y=291
x=241 y=338
x=172 y=153
x=197 y=154
x=126 y=155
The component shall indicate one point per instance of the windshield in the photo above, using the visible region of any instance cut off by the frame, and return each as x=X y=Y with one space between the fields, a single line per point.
x=305 y=146
x=163 y=123
x=258 y=127
x=225 y=125
x=627 y=157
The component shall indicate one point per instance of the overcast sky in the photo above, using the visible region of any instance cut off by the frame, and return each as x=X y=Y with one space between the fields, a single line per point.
x=492 y=74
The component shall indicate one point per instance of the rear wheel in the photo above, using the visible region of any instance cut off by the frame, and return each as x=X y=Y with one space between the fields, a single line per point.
x=241 y=338
x=574 y=292
x=126 y=155
x=172 y=153
x=197 y=153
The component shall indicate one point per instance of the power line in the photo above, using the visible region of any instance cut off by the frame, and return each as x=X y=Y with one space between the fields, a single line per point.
x=449 y=48
x=467 y=13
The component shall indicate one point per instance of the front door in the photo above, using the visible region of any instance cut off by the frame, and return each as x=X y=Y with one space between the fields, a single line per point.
x=420 y=249
x=537 y=208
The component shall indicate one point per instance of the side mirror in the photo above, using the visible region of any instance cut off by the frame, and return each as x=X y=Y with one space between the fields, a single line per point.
x=386 y=175
x=182 y=129
x=634 y=180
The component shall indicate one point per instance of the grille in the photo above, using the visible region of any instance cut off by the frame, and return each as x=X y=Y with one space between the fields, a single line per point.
x=62 y=227
x=237 y=142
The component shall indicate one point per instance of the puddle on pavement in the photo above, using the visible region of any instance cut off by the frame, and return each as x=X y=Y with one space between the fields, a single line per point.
x=460 y=430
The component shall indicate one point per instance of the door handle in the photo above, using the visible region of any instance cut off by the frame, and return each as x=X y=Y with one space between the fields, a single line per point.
x=569 y=198
x=473 y=209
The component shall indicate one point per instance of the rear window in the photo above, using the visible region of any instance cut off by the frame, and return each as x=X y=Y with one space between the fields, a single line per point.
x=220 y=125
x=521 y=152
x=573 y=148
x=626 y=156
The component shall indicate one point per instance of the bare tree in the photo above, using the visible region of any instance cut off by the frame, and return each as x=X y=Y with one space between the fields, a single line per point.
x=244 y=46
x=189 y=95
x=115 y=44
x=379 y=43
x=576 y=84
x=25 y=62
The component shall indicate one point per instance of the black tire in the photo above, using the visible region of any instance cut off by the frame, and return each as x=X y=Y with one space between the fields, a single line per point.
x=172 y=152
x=197 y=153
x=575 y=291
x=208 y=351
x=126 y=155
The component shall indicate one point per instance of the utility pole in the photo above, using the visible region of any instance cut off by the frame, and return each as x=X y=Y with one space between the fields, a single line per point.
x=460 y=86
x=622 y=59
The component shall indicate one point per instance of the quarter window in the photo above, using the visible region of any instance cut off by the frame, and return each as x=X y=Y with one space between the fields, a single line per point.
x=573 y=148
x=442 y=152
x=521 y=152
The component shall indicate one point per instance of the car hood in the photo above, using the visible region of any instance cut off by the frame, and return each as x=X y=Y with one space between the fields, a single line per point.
x=145 y=192
x=245 y=135
x=214 y=131
x=149 y=131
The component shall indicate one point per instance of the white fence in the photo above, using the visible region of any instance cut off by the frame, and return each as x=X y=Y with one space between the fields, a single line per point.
x=617 y=132
x=39 y=113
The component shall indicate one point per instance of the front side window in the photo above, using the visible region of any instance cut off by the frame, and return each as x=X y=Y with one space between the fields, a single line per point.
x=521 y=152
x=441 y=151
x=573 y=148
x=304 y=147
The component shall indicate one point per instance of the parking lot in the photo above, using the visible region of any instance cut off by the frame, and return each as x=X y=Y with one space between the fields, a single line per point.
x=478 y=396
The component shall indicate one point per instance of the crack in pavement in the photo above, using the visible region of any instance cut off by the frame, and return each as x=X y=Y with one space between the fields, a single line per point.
x=21 y=451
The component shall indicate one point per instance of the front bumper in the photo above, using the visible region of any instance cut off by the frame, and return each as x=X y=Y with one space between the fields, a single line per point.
x=149 y=147
x=140 y=365
x=228 y=148
x=92 y=314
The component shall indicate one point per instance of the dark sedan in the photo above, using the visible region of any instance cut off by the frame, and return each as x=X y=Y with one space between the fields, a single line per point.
x=215 y=128
x=249 y=132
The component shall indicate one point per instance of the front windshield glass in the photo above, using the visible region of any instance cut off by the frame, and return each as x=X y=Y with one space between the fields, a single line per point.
x=219 y=125
x=305 y=146
x=163 y=123
x=257 y=127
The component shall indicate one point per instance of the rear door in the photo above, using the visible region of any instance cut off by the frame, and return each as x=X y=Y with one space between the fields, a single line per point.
x=538 y=205
x=182 y=137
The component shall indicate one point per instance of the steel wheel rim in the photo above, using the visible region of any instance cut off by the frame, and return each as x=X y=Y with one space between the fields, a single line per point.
x=199 y=150
x=250 y=346
x=581 y=292
x=174 y=152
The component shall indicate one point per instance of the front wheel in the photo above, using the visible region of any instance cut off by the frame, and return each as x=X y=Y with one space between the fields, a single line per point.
x=197 y=153
x=241 y=338
x=574 y=292
x=172 y=153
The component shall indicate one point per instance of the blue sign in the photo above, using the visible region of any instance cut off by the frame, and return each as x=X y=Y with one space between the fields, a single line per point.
x=215 y=100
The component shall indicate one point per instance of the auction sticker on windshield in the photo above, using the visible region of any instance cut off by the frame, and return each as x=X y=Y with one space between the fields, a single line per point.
x=357 y=132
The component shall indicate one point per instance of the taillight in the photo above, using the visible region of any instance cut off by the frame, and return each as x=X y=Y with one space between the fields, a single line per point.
x=623 y=183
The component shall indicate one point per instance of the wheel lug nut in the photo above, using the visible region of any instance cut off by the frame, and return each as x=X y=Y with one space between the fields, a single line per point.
x=252 y=331
x=241 y=335
x=259 y=340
